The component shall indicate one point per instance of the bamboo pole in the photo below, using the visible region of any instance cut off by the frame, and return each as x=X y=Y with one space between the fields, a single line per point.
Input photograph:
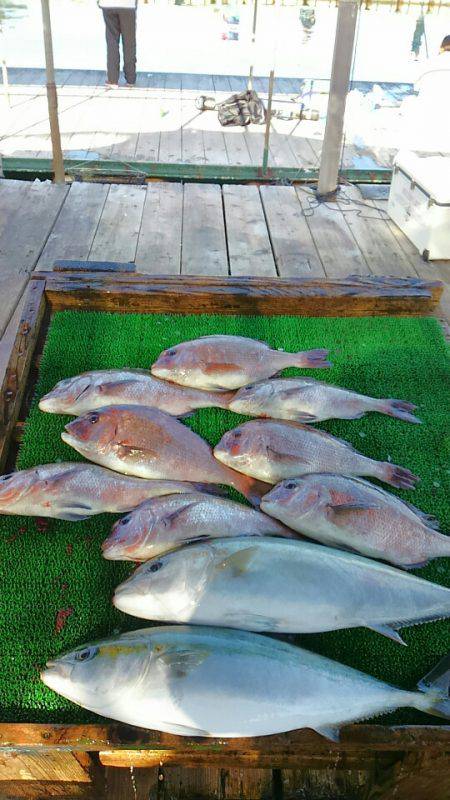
x=252 y=44
x=268 y=121
x=52 y=96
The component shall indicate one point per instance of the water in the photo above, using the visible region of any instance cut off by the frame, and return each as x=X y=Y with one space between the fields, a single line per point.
x=177 y=38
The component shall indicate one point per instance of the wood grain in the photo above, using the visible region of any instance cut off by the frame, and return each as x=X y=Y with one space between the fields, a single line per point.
x=354 y=296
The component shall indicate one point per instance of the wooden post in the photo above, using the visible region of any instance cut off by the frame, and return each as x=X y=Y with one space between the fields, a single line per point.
x=268 y=121
x=339 y=83
x=252 y=44
x=52 y=97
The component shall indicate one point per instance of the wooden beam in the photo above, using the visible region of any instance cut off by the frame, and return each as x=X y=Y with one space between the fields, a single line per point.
x=352 y=296
x=339 y=83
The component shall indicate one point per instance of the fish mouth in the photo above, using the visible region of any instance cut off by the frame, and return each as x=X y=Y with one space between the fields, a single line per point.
x=46 y=402
x=69 y=438
x=56 y=675
x=114 y=552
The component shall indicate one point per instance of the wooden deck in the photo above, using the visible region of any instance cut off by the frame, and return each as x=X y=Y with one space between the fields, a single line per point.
x=200 y=229
x=158 y=121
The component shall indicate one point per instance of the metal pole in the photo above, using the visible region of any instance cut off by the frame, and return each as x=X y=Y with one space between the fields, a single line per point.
x=52 y=97
x=339 y=83
x=268 y=121
x=252 y=44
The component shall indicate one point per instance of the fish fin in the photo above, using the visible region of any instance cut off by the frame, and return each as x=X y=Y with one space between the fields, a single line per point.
x=181 y=662
x=220 y=368
x=436 y=684
x=186 y=415
x=238 y=562
x=397 y=476
x=114 y=386
x=211 y=488
x=339 y=512
x=388 y=631
x=285 y=458
x=253 y=622
x=72 y=517
x=221 y=336
x=170 y=518
x=330 y=732
x=304 y=417
x=133 y=453
x=63 y=475
x=183 y=730
x=427 y=519
x=314 y=359
x=418 y=565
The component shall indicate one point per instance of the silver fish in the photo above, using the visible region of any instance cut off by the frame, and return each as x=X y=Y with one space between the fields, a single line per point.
x=308 y=400
x=148 y=443
x=281 y=586
x=356 y=515
x=75 y=491
x=228 y=362
x=195 y=681
x=92 y=390
x=272 y=451
x=163 y=524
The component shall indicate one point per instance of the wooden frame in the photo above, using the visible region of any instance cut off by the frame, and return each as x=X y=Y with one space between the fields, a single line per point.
x=425 y=748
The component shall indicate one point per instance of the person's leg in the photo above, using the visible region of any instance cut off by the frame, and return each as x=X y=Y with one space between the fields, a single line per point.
x=112 y=30
x=128 y=31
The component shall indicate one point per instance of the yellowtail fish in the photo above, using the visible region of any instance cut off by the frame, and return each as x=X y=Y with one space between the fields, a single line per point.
x=195 y=681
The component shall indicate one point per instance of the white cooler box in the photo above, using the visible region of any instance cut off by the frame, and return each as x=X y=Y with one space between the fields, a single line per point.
x=419 y=202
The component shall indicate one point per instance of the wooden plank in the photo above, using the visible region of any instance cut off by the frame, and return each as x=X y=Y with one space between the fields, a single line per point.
x=74 y=265
x=249 y=247
x=42 y=767
x=118 y=230
x=221 y=83
x=147 y=148
x=74 y=230
x=125 y=148
x=27 y=214
x=136 y=784
x=19 y=362
x=236 y=145
x=293 y=245
x=337 y=249
x=353 y=296
x=378 y=245
x=214 y=144
x=204 y=250
x=159 y=244
x=303 y=151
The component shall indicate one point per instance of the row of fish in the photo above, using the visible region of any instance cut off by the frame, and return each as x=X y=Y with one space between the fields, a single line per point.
x=243 y=568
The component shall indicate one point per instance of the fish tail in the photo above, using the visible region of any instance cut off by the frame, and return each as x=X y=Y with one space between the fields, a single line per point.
x=210 y=488
x=314 y=359
x=251 y=488
x=399 y=409
x=400 y=477
x=435 y=687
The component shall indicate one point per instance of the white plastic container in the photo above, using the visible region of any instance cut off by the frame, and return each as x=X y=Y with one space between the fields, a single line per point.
x=419 y=202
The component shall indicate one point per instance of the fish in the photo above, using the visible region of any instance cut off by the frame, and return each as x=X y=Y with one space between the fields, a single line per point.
x=92 y=390
x=356 y=515
x=307 y=400
x=201 y=681
x=74 y=491
x=272 y=450
x=281 y=586
x=163 y=524
x=217 y=363
x=149 y=443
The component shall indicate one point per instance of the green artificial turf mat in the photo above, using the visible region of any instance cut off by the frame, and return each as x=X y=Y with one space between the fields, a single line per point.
x=46 y=570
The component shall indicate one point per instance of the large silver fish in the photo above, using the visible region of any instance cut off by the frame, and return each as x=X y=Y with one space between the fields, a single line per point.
x=356 y=515
x=75 y=491
x=93 y=390
x=164 y=524
x=214 y=682
x=148 y=443
x=279 y=585
x=228 y=362
x=307 y=400
x=272 y=451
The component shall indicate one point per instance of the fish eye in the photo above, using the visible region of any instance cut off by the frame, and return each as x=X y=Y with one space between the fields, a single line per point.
x=246 y=388
x=93 y=418
x=171 y=352
x=290 y=485
x=86 y=654
x=156 y=566
x=6 y=477
x=124 y=521
x=237 y=434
